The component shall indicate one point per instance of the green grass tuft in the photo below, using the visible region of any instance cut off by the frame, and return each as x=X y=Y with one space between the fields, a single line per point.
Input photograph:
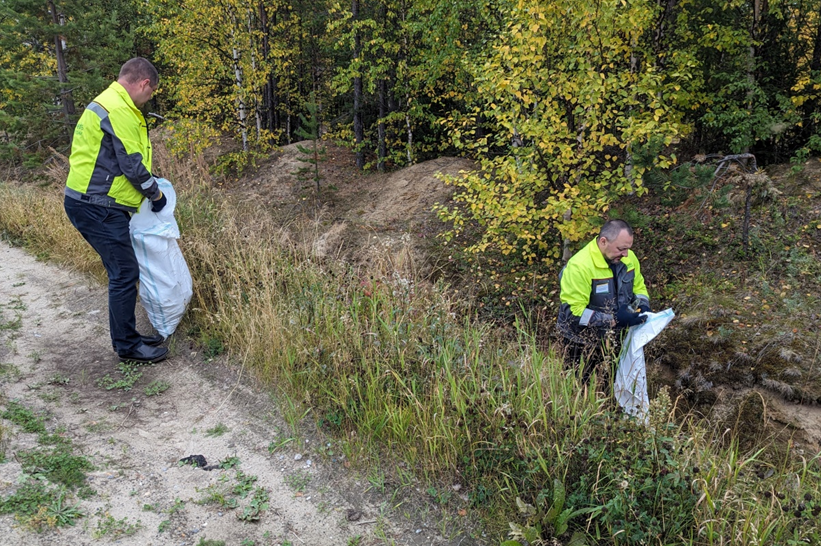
x=23 y=417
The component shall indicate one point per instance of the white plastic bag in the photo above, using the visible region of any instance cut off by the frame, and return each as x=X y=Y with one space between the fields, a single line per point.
x=630 y=385
x=165 y=282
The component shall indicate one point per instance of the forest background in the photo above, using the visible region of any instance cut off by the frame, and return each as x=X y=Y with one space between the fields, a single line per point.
x=567 y=105
x=568 y=108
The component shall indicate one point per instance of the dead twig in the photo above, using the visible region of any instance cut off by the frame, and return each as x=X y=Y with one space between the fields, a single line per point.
x=722 y=168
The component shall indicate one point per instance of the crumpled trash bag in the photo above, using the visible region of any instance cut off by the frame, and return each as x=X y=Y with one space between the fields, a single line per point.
x=199 y=462
x=194 y=460
x=630 y=385
x=165 y=281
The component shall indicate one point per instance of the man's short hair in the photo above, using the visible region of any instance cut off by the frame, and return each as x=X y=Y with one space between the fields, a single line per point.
x=611 y=229
x=138 y=69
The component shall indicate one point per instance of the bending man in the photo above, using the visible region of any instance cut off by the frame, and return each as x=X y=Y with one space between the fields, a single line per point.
x=109 y=176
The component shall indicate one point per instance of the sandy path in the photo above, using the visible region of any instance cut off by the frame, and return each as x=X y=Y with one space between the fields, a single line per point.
x=135 y=440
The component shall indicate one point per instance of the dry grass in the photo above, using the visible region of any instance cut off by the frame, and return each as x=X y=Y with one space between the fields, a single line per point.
x=379 y=353
x=34 y=218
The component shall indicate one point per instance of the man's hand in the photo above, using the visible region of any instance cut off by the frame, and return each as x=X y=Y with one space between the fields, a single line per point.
x=158 y=204
x=627 y=317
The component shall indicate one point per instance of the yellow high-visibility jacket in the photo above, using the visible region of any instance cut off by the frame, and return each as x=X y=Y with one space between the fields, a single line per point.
x=592 y=291
x=110 y=162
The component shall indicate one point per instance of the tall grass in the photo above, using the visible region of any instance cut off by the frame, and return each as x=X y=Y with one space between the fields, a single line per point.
x=393 y=365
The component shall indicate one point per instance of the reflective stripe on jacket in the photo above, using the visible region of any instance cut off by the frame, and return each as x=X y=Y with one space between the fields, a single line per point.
x=591 y=293
x=110 y=162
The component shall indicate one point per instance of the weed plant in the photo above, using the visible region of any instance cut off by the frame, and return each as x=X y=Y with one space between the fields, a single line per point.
x=156 y=387
x=381 y=354
x=52 y=472
x=113 y=529
x=228 y=495
x=130 y=375
x=217 y=430
x=23 y=417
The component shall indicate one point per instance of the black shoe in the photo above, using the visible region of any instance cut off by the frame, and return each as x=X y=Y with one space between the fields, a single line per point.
x=152 y=341
x=144 y=353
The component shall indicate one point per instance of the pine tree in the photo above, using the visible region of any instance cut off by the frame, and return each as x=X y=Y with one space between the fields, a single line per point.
x=56 y=56
x=315 y=154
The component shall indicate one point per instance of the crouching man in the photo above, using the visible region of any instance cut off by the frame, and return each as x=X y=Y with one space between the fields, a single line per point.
x=602 y=291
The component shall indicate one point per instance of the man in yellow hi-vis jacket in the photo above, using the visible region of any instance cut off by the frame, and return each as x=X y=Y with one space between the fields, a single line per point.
x=109 y=176
x=602 y=289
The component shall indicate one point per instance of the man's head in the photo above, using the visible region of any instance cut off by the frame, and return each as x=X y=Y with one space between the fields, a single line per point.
x=615 y=239
x=140 y=79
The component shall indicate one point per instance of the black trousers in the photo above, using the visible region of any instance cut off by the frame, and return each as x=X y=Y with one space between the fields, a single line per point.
x=106 y=230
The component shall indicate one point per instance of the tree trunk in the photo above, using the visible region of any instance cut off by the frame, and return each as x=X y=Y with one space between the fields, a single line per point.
x=238 y=91
x=410 y=133
x=745 y=229
x=382 y=151
x=65 y=94
x=811 y=106
x=661 y=26
x=567 y=251
x=257 y=113
x=288 y=117
x=270 y=95
x=358 y=128
x=751 y=59
x=628 y=160
x=815 y=61
x=267 y=89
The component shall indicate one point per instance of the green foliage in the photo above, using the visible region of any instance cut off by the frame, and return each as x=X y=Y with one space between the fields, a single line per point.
x=315 y=154
x=750 y=82
x=130 y=375
x=38 y=506
x=258 y=504
x=27 y=500
x=62 y=514
x=213 y=347
x=156 y=387
x=38 y=110
x=58 y=464
x=188 y=137
x=178 y=506
x=23 y=417
x=222 y=59
x=217 y=430
x=37 y=502
x=298 y=481
x=112 y=528
x=551 y=519
x=410 y=375
x=209 y=542
x=11 y=324
x=229 y=495
x=245 y=484
x=557 y=119
x=236 y=164
x=229 y=462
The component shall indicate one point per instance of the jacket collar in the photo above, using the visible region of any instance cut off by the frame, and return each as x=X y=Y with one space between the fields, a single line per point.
x=596 y=256
x=123 y=94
